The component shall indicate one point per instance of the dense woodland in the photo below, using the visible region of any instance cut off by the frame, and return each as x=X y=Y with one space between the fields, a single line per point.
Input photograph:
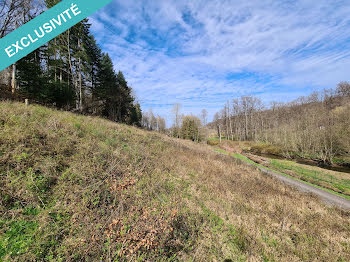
x=316 y=126
x=70 y=72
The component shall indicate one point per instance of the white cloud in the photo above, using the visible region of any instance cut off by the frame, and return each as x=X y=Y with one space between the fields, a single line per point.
x=184 y=51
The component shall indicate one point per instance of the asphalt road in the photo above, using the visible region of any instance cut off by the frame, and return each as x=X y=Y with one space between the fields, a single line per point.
x=327 y=197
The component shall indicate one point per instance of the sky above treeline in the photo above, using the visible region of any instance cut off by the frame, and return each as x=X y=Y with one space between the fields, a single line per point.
x=203 y=53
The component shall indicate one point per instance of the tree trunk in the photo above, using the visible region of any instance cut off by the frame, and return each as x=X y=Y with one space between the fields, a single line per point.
x=80 y=80
x=13 y=80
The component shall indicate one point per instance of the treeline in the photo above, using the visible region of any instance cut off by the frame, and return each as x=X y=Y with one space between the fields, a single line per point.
x=153 y=123
x=316 y=126
x=70 y=72
x=184 y=126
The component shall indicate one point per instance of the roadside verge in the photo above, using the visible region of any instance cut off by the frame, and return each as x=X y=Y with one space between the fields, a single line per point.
x=329 y=197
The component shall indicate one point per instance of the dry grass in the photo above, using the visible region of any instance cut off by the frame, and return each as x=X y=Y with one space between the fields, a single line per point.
x=77 y=188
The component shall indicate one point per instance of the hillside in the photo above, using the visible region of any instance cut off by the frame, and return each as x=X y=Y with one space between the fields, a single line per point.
x=314 y=128
x=77 y=188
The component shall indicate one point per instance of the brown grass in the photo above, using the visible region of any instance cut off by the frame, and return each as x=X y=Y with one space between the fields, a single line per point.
x=79 y=188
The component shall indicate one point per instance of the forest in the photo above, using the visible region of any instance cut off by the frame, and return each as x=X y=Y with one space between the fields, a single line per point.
x=70 y=72
x=316 y=126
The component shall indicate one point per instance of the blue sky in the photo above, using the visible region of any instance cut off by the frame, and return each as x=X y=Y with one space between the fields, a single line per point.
x=203 y=53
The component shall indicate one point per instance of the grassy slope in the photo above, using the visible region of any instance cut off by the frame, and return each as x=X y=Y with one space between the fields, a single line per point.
x=82 y=188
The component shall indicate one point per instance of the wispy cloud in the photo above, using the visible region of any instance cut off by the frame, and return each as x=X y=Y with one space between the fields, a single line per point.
x=202 y=53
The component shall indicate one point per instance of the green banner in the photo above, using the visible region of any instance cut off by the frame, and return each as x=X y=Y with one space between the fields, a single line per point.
x=45 y=27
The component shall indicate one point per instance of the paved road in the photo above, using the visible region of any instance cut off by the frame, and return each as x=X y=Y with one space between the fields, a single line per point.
x=328 y=198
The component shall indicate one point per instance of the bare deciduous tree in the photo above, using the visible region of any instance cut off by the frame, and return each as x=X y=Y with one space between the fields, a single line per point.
x=177 y=119
x=314 y=125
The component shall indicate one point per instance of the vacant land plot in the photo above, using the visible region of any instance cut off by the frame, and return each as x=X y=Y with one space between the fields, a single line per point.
x=77 y=188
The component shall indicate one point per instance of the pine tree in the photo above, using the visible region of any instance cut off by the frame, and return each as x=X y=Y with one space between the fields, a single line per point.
x=94 y=60
x=107 y=89
x=30 y=78
x=125 y=100
x=135 y=115
x=71 y=72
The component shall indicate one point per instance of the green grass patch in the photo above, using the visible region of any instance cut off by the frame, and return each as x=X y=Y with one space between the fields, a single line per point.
x=318 y=177
x=18 y=237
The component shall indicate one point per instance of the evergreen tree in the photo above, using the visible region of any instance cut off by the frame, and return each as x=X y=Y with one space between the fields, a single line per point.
x=30 y=77
x=191 y=128
x=135 y=115
x=107 y=89
x=71 y=72
x=125 y=99
x=94 y=60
